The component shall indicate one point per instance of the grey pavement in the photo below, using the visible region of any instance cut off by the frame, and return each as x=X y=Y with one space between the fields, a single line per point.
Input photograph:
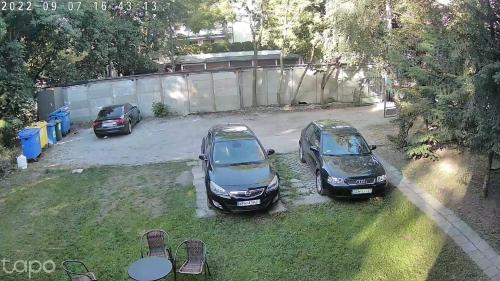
x=161 y=140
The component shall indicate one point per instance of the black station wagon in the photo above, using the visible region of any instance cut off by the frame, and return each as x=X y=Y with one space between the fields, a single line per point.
x=341 y=160
x=238 y=172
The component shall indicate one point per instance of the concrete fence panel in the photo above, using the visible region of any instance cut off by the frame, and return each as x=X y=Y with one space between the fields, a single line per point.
x=309 y=88
x=246 y=87
x=273 y=83
x=78 y=100
x=124 y=91
x=148 y=91
x=262 y=95
x=201 y=93
x=226 y=91
x=99 y=95
x=175 y=93
x=188 y=93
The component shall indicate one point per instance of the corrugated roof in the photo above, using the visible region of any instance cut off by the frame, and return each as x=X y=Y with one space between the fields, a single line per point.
x=231 y=56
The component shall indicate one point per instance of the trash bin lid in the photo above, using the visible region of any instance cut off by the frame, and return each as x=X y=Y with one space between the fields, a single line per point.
x=59 y=113
x=51 y=123
x=63 y=109
x=28 y=133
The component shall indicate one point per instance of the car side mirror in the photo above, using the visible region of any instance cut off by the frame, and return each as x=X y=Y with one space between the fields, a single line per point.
x=202 y=157
x=373 y=147
x=314 y=148
x=270 y=151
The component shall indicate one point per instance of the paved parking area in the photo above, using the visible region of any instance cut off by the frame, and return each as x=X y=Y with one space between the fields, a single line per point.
x=160 y=140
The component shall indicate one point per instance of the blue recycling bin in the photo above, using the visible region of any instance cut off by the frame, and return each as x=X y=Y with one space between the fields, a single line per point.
x=30 y=143
x=51 y=132
x=62 y=114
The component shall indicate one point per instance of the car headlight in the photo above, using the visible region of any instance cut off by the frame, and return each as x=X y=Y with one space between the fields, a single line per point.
x=217 y=190
x=335 y=181
x=273 y=185
x=381 y=178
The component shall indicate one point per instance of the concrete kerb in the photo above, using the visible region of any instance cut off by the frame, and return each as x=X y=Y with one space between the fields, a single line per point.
x=464 y=236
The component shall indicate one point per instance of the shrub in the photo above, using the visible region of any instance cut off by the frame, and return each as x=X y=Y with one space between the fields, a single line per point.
x=7 y=160
x=8 y=132
x=160 y=109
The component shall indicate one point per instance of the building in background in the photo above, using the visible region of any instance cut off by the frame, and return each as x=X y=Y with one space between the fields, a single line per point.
x=231 y=32
x=226 y=60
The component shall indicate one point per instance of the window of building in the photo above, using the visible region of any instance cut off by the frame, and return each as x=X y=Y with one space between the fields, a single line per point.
x=241 y=63
x=290 y=61
x=266 y=62
x=217 y=65
x=193 y=67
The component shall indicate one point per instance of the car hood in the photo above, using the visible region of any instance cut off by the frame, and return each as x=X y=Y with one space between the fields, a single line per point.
x=353 y=166
x=240 y=177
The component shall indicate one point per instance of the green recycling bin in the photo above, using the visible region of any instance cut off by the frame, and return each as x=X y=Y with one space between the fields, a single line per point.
x=58 y=129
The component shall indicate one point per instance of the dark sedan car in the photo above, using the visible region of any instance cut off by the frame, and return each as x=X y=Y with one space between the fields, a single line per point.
x=342 y=160
x=116 y=119
x=238 y=172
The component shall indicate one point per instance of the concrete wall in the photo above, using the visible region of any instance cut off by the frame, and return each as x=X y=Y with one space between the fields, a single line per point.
x=186 y=93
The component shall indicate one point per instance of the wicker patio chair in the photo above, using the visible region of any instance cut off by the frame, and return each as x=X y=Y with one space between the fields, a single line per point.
x=86 y=275
x=157 y=241
x=196 y=261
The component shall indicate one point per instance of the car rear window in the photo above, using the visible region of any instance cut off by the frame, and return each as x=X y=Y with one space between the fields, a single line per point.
x=233 y=152
x=344 y=144
x=111 y=112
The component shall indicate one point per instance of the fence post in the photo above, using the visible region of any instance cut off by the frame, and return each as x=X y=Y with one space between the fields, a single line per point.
x=238 y=77
x=213 y=91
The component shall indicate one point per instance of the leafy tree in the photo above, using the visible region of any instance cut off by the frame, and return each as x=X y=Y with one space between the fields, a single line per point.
x=16 y=89
x=255 y=13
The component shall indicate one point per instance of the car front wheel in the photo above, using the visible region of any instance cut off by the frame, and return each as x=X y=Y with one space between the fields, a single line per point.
x=129 y=128
x=319 y=184
x=301 y=154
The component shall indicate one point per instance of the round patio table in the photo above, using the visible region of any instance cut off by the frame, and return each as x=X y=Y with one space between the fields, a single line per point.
x=150 y=269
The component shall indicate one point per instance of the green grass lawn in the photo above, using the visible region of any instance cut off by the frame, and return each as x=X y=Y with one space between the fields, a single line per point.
x=98 y=216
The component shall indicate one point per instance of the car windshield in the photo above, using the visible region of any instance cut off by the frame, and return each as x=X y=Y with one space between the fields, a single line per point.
x=234 y=152
x=337 y=145
x=111 y=112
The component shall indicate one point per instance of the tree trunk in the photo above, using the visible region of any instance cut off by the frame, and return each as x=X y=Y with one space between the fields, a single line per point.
x=324 y=80
x=486 y=181
x=388 y=14
x=254 y=76
x=278 y=94
x=326 y=76
x=296 y=91
x=171 y=41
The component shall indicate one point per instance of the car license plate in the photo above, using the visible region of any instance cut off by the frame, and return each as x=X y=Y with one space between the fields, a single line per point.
x=248 y=203
x=362 y=191
x=108 y=124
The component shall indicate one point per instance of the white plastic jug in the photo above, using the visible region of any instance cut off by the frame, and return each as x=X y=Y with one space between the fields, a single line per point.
x=22 y=163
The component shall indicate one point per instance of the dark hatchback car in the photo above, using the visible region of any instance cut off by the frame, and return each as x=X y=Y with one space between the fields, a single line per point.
x=238 y=172
x=116 y=119
x=342 y=160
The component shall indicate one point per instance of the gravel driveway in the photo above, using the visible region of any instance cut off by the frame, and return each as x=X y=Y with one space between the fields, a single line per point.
x=160 y=140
